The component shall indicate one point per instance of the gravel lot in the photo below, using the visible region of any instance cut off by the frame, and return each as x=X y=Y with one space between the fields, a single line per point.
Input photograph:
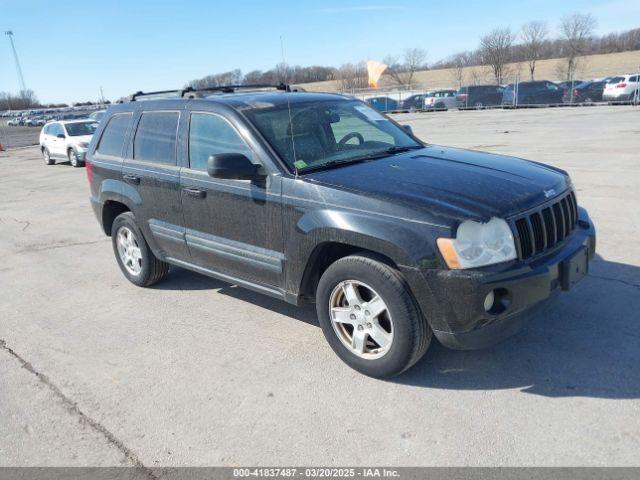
x=18 y=136
x=94 y=371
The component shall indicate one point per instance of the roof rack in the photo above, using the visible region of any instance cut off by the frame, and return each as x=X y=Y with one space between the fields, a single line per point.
x=190 y=92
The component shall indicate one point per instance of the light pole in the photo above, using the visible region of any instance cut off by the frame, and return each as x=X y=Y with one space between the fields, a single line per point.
x=23 y=87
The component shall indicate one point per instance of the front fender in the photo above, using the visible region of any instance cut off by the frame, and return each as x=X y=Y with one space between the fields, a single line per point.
x=408 y=243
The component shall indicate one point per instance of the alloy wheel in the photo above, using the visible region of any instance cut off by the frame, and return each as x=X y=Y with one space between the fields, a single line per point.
x=73 y=158
x=361 y=319
x=129 y=251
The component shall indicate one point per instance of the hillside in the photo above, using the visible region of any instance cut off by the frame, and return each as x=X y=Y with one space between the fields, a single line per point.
x=592 y=66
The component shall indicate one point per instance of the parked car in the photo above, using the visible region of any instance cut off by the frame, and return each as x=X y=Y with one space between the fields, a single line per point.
x=586 y=92
x=532 y=93
x=413 y=102
x=97 y=115
x=310 y=197
x=14 y=122
x=34 y=122
x=440 y=100
x=383 y=104
x=626 y=89
x=66 y=140
x=479 y=96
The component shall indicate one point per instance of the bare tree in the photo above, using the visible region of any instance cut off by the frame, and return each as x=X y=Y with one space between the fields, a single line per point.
x=233 y=77
x=459 y=62
x=576 y=30
x=414 y=59
x=25 y=99
x=352 y=77
x=495 y=51
x=533 y=37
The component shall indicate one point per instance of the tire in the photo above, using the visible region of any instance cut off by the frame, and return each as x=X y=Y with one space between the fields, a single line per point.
x=405 y=328
x=479 y=105
x=73 y=158
x=47 y=157
x=145 y=269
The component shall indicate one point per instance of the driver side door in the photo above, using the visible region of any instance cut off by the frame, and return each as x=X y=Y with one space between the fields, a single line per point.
x=56 y=145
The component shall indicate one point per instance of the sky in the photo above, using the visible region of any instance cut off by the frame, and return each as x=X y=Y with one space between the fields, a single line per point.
x=68 y=50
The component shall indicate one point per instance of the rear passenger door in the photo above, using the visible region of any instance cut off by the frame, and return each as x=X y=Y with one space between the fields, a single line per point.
x=233 y=227
x=151 y=169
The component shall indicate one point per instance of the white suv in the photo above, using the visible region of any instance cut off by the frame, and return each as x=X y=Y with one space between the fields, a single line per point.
x=626 y=89
x=66 y=140
x=440 y=100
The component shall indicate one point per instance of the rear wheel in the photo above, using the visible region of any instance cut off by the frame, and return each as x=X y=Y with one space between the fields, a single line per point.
x=478 y=105
x=47 y=157
x=135 y=258
x=369 y=316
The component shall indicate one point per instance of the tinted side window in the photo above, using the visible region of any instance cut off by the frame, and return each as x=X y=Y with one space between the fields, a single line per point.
x=209 y=135
x=155 y=139
x=112 y=139
x=633 y=79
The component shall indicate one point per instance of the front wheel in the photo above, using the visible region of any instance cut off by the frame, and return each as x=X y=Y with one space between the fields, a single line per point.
x=135 y=258
x=370 y=318
x=73 y=158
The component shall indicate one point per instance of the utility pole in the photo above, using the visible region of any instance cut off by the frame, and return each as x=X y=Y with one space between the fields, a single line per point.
x=23 y=87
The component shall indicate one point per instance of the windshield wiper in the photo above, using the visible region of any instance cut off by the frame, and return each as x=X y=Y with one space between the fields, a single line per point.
x=333 y=163
x=388 y=151
x=364 y=158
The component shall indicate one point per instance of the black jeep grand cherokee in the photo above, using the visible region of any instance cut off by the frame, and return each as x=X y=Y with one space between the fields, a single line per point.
x=317 y=197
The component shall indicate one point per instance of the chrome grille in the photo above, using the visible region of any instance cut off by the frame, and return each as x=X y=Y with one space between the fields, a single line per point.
x=539 y=230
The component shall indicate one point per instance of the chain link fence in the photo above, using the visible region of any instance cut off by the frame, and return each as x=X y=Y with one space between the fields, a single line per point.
x=517 y=92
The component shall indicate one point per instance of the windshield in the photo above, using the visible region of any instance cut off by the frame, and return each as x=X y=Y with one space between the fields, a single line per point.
x=80 y=128
x=328 y=133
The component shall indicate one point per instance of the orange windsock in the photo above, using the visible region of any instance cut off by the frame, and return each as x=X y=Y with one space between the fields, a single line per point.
x=375 y=70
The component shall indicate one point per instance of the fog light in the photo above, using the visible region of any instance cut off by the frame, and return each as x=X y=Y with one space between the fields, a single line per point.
x=488 y=301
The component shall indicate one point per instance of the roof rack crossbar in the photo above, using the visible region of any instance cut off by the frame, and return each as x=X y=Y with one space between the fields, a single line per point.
x=180 y=93
x=233 y=88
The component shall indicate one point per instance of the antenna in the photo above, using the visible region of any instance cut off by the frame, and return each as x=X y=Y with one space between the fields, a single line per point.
x=293 y=143
x=23 y=87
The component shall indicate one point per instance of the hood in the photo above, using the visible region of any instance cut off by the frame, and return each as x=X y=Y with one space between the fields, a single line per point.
x=465 y=183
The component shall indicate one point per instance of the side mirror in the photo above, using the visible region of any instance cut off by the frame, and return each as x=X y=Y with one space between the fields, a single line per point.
x=408 y=129
x=233 y=166
x=61 y=135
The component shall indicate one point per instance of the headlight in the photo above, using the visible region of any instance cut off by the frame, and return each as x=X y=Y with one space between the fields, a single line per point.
x=478 y=244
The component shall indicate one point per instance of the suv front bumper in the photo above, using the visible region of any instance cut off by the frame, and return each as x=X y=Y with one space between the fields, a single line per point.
x=455 y=307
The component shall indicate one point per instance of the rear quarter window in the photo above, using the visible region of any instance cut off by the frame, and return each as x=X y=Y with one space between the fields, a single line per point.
x=156 y=137
x=112 y=139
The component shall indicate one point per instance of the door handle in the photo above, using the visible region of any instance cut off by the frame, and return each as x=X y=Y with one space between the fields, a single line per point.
x=194 y=192
x=132 y=179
